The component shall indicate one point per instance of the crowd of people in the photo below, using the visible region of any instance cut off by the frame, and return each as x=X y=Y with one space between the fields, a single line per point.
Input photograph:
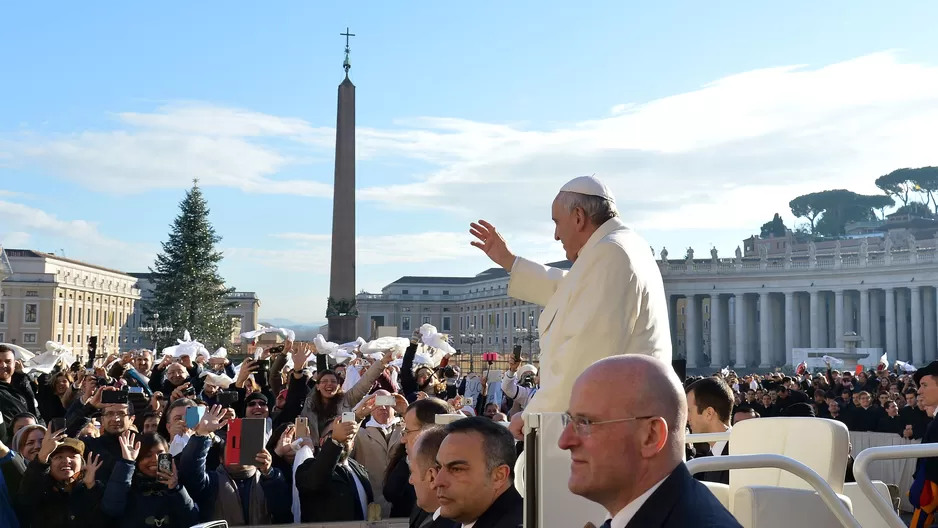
x=369 y=446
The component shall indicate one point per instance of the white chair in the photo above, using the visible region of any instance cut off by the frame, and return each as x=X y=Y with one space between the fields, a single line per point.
x=770 y=497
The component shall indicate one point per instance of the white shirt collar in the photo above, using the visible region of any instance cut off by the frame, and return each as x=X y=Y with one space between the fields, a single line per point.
x=717 y=448
x=621 y=520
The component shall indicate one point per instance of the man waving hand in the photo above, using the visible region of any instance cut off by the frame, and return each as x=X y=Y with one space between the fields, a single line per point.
x=610 y=302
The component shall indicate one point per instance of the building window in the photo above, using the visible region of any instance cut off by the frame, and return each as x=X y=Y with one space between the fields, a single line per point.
x=426 y=292
x=1 y=337
x=29 y=338
x=475 y=320
x=97 y=317
x=79 y=315
x=498 y=320
x=514 y=315
x=31 y=313
x=58 y=338
x=69 y=338
x=446 y=309
x=405 y=309
x=405 y=292
x=446 y=323
x=445 y=292
x=426 y=320
x=3 y=313
x=32 y=293
x=61 y=309
x=70 y=314
x=405 y=323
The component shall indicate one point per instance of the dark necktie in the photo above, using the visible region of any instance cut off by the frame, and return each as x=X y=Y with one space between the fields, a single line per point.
x=607 y=524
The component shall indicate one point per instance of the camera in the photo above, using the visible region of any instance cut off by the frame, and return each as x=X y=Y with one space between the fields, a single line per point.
x=227 y=398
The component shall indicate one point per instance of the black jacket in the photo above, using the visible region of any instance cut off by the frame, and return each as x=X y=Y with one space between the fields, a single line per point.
x=16 y=398
x=506 y=512
x=422 y=519
x=720 y=476
x=680 y=502
x=41 y=502
x=328 y=495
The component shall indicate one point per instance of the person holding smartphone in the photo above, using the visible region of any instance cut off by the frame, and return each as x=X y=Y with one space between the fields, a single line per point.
x=144 y=489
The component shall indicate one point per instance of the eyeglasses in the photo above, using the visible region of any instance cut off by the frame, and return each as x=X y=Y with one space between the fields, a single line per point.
x=582 y=426
x=118 y=415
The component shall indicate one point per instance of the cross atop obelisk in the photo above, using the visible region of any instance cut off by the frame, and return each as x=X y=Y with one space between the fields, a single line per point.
x=348 y=63
x=341 y=310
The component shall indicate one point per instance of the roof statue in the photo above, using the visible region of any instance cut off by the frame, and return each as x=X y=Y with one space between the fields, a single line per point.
x=763 y=253
x=347 y=63
x=664 y=254
x=714 y=255
x=690 y=255
x=812 y=251
x=739 y=254
x=864 y=250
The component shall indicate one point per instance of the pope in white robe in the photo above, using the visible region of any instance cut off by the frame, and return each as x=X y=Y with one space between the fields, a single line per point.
x=610 y=302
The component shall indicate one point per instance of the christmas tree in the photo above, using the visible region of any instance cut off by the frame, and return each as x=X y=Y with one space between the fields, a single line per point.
x=189 y=294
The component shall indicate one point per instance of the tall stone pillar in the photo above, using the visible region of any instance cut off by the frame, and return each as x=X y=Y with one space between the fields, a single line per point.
x=892 y=350
x=815 y=320
x=741 y=334
x=918 y=349
x=839 y=318
x=765 y=330
x=341 y=311
x=876 y=315
x=691 y=331
x=865 y=318
x=789 y=325
x=928 y=313
x=902 y=324
x=718 y=349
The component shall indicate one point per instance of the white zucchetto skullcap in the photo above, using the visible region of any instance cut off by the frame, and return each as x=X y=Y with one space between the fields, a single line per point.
x=590 y=186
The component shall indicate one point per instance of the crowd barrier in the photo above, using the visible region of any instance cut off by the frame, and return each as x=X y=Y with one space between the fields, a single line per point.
x=898 y=472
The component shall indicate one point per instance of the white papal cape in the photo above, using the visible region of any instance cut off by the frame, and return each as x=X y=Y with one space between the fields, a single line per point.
x=611 y=302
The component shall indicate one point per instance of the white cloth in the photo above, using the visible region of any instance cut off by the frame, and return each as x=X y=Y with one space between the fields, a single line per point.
x=304 y=454
x=384 y=427
x=611 y=302
x=179 y=443
x=621 y=519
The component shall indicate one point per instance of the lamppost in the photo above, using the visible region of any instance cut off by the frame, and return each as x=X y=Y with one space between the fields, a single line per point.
x=530 y=335
x=155 y=331
x=471 y=339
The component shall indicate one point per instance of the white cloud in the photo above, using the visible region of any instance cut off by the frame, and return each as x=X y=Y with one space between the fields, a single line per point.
x=14 y=239
x=723 y=156
x=82 y=238
x=311 y=253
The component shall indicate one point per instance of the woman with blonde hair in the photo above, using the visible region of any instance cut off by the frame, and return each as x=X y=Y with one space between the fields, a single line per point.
x=57 y=395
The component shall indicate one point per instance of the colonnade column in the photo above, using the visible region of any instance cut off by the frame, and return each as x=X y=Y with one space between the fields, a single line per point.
x=865 y=318
x=691 y=324
x=814 y=320
x=918 y=349
x=765 y=331
x=891 y=347
x=718 y=351
x=876 y=311
x=928 y=311
x=902 y=325
x=741 y=321
x=839 y=318
x=789 y=325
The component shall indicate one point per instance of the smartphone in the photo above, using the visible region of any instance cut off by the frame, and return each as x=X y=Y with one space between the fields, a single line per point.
x=164 y=462
x=135 y=390
x=111 y=397
x=517 y=353
x=194 y=416
x=189 y=392
x=227 y=398
x=348 y=417
x=385 y=401
x=263 y=365
x=302 y=427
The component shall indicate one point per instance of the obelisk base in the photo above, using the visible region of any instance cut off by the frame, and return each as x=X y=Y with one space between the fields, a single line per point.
x=343 y=328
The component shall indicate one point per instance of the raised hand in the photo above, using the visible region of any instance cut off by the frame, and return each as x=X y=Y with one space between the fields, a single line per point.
x=92 y=465
x=130 y=448
x=213 y=420
x=492 y=243
x=300 y=358
x=180 y=391
x=285 y=441
x=366 y=408
x=264 y=462
x=343 y=432
x=49 y=443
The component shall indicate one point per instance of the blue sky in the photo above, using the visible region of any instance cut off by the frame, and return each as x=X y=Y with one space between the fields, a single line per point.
x=703 y=119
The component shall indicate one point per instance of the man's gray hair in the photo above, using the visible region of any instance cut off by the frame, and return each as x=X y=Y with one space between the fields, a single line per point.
x=596 y=208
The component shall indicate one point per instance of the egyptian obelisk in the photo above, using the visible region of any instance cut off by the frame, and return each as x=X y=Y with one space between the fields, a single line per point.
x=341 y=310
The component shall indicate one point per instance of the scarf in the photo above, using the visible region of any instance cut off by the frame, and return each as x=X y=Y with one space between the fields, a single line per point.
x=385 y=428
x=304 y=454
x=228 y=498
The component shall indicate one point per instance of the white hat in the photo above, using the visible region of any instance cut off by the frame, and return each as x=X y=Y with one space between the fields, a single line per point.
x=590 y=186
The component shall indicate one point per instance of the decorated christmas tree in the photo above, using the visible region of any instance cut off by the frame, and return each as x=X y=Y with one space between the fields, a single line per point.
x=189 y=294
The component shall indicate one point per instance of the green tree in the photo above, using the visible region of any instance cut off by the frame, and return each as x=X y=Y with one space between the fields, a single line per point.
x=774 y=227
x=829 y=212
x=189 y=294
x=902 y=183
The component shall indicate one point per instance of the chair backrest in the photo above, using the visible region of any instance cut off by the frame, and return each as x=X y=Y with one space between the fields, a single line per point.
x=822 y=445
